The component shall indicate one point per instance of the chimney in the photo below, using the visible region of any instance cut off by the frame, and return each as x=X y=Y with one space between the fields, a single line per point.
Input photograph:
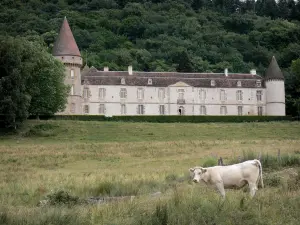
x=129 y=70
x=253 y=72
x=226 y=72
x=106 y=69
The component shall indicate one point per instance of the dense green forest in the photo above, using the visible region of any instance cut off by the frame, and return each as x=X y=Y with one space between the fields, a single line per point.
x=169 y=35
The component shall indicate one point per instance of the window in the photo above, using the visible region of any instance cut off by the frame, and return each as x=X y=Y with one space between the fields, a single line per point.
x=162 y=110
x=222 y=95
x=72 y=73
x=73 y=107
x=202 y=94
x=223 y=110
x=259 y=110
x=72 y=89
x=239 y=95
x=202 y=110
x=101 y=109
x=123 y=93
x=258 y=83
x=102 y=93
x=85 y=92
x=123 y=81
x=150 y=81
x=140 y=93
x=123 y=109
x=86 y=109
x=213 y=83
x=141 y=109
x=181 y=94
x=161 y=93
x=259 y=95
x=239 y=84
x=240 y=110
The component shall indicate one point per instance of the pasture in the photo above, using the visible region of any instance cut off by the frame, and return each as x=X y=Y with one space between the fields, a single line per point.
x=70 y=161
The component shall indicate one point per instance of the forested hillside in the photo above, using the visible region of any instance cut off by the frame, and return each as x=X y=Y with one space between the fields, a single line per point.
x=167 y=35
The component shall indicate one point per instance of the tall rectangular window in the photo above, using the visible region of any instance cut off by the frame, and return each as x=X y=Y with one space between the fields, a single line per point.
x=123 y=109
x=162 y=110
x=240 y=110
x=223 y=110
x=85 y=92
x=86 y=109
x=73 y=107
x=72 y=73
x=202 y=110
x=123 y=93
x=259 y=110
x=72 y=89
x=202 y=94
x=140 y=93
x=181 y=94
x=161 y=93
x=239 y=95
x=223 y=95
x=259 y=95
x=102 y=93
x=141 y=109
x=101 y=109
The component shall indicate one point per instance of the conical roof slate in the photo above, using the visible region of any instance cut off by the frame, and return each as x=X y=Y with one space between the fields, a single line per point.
x=273 y=71
x=65 y=44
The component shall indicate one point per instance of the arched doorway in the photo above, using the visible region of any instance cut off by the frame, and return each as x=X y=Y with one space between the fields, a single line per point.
x=181 y=110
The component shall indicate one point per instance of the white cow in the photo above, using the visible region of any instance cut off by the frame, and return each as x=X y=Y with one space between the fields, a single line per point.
x=232 y=176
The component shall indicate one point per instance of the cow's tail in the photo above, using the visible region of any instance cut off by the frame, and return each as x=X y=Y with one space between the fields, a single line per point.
x=260 y=173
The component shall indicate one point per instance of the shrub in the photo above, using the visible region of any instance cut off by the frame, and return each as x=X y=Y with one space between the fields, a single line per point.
x=169 y=119
x=210 y=162
x=62 y=198
x=272 y=180
x=42 y=130
x=198 y=119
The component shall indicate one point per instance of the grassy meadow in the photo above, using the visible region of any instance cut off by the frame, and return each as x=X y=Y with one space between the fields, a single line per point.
x=86 y=159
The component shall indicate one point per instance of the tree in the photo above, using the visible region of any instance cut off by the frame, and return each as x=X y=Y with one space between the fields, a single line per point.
x=292 y=9
x=283 y=9
x=46 y=86
x=293 y=89
x=248 y=5
x=31 y=81
x=182 y=59
x=267 y=8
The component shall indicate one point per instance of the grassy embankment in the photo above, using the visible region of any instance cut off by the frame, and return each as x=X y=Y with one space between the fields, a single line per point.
x=121 y=159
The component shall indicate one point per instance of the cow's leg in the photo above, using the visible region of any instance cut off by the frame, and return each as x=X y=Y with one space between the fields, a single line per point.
x=253 y=188
x=220 y=188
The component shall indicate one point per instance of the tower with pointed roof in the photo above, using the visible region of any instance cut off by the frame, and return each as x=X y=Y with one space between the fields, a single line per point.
x=66 y=50
x=275 y=93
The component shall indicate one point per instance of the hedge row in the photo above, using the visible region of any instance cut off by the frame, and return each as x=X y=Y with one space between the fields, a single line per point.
x=169 y=119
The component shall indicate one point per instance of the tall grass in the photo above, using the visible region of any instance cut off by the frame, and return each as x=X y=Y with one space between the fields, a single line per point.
x=270 y=161
x=70 y=161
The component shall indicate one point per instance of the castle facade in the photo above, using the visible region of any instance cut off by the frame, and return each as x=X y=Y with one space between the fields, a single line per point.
x=105 y=92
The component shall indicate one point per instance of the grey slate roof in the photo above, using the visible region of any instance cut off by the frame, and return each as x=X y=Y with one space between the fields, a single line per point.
x=273 y=71
x=164 y=79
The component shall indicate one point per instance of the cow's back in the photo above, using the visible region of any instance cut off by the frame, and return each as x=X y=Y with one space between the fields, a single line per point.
x=238 y=175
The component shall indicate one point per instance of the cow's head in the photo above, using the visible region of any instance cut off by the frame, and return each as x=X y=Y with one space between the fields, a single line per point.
x=197 y=173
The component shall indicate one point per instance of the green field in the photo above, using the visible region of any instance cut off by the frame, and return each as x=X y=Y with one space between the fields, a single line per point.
x=89 y=159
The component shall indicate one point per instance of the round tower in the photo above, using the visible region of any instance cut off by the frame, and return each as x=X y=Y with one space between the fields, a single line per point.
x=275 y=92
x=66 y=50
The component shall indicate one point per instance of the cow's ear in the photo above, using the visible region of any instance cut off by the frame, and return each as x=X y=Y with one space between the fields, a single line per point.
x=192 y=170
x=203 y=170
